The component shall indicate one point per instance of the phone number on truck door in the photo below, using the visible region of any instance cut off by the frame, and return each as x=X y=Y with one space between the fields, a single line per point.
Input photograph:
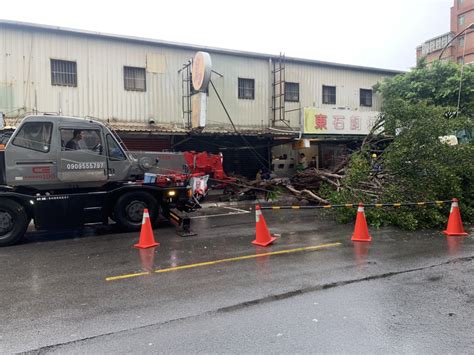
x=83 y=166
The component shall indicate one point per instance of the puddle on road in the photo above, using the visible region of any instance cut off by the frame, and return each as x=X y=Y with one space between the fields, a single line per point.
x=454 y=244
x=361 y=253
x=218 y=212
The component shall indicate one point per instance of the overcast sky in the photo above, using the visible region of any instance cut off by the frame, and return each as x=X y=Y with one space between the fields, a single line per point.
x=377 y=33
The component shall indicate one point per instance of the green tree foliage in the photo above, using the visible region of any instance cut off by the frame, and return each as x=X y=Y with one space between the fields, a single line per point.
x=418 y=107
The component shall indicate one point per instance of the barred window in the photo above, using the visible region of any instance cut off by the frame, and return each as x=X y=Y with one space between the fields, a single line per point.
x=247 y=89
x=134 y=78
x=292 y=92
x=329 y=95
x=366 y=97
x=63 y=73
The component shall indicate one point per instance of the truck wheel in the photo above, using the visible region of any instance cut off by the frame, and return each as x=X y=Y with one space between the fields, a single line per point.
x=13 y=222
x=128 y=211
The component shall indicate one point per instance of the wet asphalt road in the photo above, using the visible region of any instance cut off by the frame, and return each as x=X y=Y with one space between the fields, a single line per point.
x=403 y=292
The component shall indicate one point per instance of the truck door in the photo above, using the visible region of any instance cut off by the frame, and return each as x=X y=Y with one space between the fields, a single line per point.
x=30 y=159
x=82 y=156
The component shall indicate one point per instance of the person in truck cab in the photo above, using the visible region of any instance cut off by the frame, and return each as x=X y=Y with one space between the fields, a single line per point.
x=73 y=144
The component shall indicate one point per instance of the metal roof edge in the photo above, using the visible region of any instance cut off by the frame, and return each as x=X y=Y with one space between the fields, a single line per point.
x=193 y=46
x=436 y=37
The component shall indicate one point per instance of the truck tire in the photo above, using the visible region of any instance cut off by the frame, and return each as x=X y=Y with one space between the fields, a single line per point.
x=128 y=210
x=13 y=222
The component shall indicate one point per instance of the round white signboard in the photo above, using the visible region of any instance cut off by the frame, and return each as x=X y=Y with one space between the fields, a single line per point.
x=201 y=71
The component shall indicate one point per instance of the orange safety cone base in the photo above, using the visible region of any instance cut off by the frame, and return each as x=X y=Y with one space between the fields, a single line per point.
x=367 y=238
x=264 y=244
x=144 y=246
x=460 y=234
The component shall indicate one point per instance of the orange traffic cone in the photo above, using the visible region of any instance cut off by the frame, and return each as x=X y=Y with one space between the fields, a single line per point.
x=263 y=237
x=361 y=232
x=147 y=240
x=455 y=226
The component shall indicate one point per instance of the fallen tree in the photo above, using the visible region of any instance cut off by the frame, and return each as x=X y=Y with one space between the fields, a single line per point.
x=415 y=164
x=412 y=163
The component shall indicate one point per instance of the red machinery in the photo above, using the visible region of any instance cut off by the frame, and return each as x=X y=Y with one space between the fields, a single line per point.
x=202 y=167
x=208 y=164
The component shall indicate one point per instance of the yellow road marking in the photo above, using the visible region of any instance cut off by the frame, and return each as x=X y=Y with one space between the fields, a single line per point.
x=349 y=204
x=327 y=206
x=378 y=205
x=127 y=276
x=439 y=202
x=295 y=207
x=214 y=262
x=276 y=207
x=397 y=204
x=420 y=203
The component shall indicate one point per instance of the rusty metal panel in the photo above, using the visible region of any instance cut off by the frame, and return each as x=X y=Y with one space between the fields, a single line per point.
x=100 y=91
x=25 y=82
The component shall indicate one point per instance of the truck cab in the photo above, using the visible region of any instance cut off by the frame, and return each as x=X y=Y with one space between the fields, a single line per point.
x=55 y=152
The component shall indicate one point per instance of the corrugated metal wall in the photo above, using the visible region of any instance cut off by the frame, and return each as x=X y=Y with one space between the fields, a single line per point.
x=347 y=82
x=149 y=144
x=25 y=81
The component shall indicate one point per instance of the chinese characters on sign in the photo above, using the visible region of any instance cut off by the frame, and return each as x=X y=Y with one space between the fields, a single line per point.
x=321 y=122
x=327 y=121
x=338 y=122
x=355 y=123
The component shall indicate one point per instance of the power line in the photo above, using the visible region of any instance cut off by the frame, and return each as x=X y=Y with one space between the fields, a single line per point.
x=260 y=159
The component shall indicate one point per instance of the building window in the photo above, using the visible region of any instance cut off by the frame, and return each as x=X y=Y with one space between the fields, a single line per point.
x=461 y=42
x=460 y=3
x=329 y=95
x=63 y=73
x=134 y=79
x=366 y=97
x=292 y=92
x=460 y=60
x=461 y=20
x=246 y=89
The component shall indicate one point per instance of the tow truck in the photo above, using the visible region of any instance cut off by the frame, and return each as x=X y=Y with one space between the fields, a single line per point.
x=68 y=172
